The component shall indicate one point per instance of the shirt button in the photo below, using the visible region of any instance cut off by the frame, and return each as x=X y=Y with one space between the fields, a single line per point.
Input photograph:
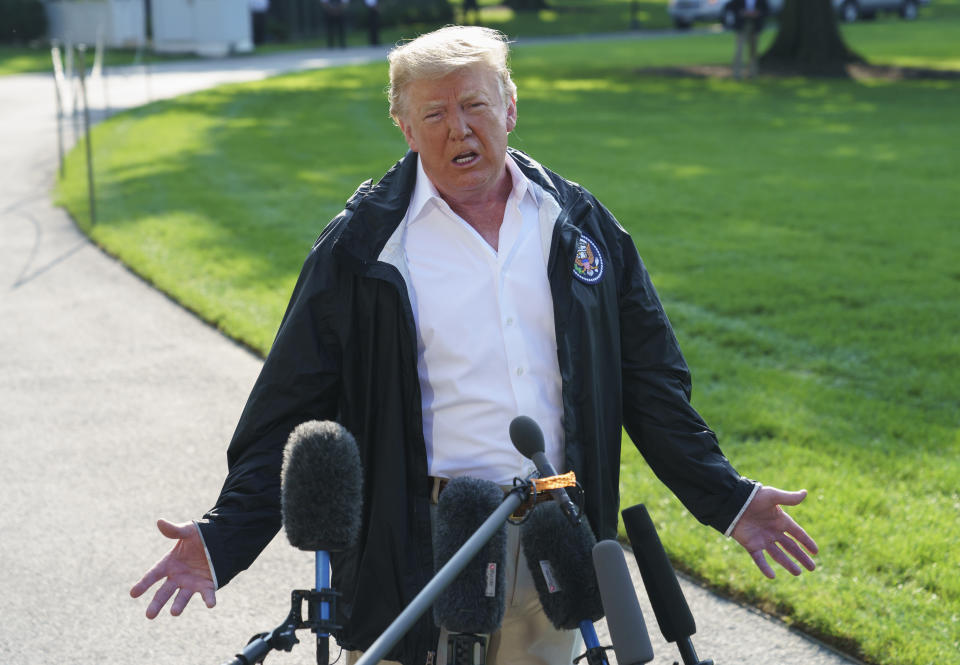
x=510 y=321
x=519 y=371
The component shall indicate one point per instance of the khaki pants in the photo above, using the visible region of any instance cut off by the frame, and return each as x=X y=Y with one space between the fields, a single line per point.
x=526 y=636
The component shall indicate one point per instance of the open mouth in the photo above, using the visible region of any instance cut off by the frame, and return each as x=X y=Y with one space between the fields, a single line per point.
x=465 y=158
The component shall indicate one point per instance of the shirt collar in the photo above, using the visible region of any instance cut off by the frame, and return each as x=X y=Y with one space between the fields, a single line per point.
x=424 y=191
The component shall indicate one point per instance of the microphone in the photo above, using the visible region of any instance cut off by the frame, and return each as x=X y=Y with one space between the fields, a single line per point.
x=558 y=555
x=628 y=630
x=321 y=492
x=321 y=487
x=528 y=439
x=669 y=605
x=474 y=603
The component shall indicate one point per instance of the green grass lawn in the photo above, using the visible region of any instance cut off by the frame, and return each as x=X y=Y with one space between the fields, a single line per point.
x=803 y=235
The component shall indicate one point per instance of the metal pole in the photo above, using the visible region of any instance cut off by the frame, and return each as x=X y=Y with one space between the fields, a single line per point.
x=70 y=74
x=57 y=79
x=100 y=70
x=81 y=51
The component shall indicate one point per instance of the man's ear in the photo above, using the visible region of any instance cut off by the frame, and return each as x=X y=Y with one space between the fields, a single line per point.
x=407 y=133
x=511 y=114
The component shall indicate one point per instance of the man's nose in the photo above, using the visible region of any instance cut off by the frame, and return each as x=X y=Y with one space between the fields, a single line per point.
x=459 y=126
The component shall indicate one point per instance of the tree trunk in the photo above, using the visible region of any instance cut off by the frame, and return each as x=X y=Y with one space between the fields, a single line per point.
x=809 y=41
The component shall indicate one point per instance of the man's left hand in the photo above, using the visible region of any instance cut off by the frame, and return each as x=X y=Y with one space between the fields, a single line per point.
x=764 y=526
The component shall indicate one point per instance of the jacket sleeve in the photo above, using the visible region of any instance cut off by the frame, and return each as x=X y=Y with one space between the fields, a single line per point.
x=299 y=381
x=672 y=437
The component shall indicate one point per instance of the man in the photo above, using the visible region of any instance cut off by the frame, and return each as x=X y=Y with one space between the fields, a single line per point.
x=258 y=16
x=373 y=21
x=470 y=285
x=334 y=19
x=749 y=17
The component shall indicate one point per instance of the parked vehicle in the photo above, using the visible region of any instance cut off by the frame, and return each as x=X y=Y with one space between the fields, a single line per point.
x=851 y=10
x=687 y=12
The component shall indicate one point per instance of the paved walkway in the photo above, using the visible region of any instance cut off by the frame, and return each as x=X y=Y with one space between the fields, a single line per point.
x=116 y=406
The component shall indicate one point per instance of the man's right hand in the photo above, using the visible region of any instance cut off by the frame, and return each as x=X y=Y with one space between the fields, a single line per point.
x=184 y=569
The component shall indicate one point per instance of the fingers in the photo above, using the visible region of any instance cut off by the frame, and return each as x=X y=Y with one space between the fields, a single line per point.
x=762 y=564
x=176 y=531
x=209 y=597
x=149 y=578
x=160 y=599
x=781 y=557
x=180 y=574
x=798 y=532
x=791 y=546
x=180 y=602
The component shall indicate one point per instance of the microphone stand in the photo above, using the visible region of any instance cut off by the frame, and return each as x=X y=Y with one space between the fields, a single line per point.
x=595 y=654
x=283 y=637
x=446 y=575
x=689 y=654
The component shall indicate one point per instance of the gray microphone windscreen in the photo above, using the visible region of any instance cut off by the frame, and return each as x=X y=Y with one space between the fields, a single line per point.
x=628 y=631
x=321 y=487
x=558 y=555
x=476 y=600
x=526 y=436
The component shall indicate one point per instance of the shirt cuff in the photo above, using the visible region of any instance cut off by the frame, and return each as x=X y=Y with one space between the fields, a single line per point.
x=213 y=573
x=733 y=524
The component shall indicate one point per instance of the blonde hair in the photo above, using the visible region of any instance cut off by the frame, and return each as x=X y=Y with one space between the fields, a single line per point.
x=438 y=53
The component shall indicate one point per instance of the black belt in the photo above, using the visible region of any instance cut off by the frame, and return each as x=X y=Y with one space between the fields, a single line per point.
x=437 y=485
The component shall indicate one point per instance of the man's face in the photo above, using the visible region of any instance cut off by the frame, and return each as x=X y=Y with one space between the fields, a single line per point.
x=459 y=126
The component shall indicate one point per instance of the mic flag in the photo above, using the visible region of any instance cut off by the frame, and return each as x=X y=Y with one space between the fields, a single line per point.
x=669 y=605
x=558 y=555
x=476 y=600
x=628 y=631
x=321 y=487
x=527 y=438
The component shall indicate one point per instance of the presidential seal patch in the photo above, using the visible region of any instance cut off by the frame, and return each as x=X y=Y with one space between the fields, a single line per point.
x=588 y=263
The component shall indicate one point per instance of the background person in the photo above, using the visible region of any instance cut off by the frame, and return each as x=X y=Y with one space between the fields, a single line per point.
x=258 y=17
x=335 y=22
x=466 y=287
x=373 y=21
x=750 y=17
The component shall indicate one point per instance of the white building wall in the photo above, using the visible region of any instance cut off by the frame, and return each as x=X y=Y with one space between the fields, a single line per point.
x=205 y=27
x=120 y=23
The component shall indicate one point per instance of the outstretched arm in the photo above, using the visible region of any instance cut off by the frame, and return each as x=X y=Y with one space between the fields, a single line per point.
x=184 y=569
x=764 y=526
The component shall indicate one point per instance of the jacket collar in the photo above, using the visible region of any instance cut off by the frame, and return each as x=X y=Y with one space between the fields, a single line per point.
x=374 y=211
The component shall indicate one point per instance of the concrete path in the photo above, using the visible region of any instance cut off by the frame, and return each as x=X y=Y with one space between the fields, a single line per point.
x=116 y=406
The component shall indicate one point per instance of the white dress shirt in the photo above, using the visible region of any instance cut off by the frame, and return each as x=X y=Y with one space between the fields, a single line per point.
x=486 y=342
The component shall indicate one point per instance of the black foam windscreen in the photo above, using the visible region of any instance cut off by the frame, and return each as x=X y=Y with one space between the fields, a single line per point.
x=526 y=436
x=628 y=630
x=321 y=487
x=558 y=555
x=476 y=600
x=669 y=605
